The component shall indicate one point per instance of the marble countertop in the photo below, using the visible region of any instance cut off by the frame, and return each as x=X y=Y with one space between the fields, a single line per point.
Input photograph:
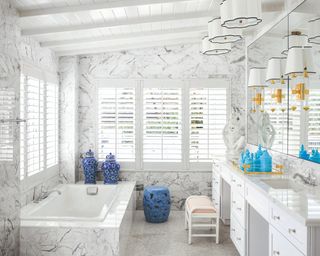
x=301 y=201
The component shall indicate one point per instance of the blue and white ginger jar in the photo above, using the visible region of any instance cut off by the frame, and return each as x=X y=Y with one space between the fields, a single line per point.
x=90 y=165
x=110 y=169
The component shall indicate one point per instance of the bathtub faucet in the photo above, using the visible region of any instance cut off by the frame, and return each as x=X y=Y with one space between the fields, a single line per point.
x=45 y=194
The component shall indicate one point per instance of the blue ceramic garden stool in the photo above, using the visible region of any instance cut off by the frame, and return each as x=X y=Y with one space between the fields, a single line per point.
x=156 y=204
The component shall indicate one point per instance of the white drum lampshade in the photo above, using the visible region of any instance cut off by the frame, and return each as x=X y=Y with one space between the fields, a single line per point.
x=300 y=60
x=276 y=69
x=314 y=31
x=240 y=13
x=295 y=39
x=209 y=48
x=257 y=77
x=222 y=35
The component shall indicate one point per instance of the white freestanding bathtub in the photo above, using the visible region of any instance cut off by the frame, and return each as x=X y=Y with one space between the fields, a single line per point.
x=79 y=221
x=75 y=203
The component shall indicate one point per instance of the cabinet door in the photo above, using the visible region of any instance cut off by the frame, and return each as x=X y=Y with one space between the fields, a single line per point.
x=280 y=246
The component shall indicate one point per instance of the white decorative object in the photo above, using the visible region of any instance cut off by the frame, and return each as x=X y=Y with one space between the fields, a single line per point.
x=209 y=48
x=314 y=31
x=234 y=137
x=266 y=131
x=222 y=35
x=299 y=59
x=240 y=13
x=276 y=69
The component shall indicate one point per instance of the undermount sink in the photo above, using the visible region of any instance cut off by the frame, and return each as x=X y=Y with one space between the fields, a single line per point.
x=281 y=184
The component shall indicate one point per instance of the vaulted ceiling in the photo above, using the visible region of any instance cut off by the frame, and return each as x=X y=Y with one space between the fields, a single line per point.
x=71 y=27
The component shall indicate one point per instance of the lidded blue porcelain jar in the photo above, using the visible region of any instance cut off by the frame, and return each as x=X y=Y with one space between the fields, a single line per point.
x=90 y=165
x=110 y=169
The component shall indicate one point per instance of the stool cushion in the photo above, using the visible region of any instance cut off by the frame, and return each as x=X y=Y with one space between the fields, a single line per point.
x=156 y=204
x=204 y=203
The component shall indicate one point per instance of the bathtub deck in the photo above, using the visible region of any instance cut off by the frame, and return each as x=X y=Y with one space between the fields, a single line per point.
x=170 y=239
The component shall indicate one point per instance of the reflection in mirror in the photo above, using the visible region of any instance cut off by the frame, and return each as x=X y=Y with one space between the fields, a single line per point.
x=303 y=67
x=268 y=89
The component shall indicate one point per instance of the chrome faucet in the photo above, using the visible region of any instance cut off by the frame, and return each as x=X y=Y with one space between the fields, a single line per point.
x=45 y=194
x=310 y=179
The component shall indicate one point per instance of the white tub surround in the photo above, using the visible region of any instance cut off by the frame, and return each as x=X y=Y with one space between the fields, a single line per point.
x=73 y=224
x=270 y=214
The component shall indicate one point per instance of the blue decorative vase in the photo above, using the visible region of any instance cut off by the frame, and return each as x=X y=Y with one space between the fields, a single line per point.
x=110 y=169
x=90 y=165
x=156 y=204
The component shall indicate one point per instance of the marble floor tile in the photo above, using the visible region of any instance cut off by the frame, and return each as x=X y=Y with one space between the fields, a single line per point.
x=170 y=239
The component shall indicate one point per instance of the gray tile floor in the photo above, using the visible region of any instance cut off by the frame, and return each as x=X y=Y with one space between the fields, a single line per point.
x=170 y=239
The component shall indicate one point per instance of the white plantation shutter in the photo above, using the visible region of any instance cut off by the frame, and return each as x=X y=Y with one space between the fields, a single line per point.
x=52 y=124
x=7 y=105
x=208 y=112
x=22 y=126
x=295 y=128
x=314 y=119
x=116 y=123
x=278 y=119
x=162 y=131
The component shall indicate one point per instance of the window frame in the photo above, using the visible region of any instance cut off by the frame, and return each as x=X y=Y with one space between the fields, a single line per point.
x=139 y=85
x=47 y=173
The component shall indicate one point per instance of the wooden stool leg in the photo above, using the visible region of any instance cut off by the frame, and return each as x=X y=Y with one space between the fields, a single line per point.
x=217 y=229
x=190 y=228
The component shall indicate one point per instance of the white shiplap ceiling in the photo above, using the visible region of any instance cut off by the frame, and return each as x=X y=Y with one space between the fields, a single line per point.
x=71 y=27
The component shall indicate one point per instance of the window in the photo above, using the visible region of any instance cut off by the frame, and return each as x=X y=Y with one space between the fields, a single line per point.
x=162 y=125
x=148 y=123
x=314 y=119
x=39 y=135
x=7 y=105
x=117 y=123
x=208 y=111
x=52 y=124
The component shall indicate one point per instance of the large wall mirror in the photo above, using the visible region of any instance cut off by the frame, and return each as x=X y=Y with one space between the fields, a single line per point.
x=268 y=89
x=284 y=85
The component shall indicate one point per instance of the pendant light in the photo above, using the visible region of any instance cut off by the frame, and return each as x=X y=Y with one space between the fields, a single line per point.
x=221 y=35
x=295 y=39
x=314 y=31
x=240 y=13
x=209 y=48
x=257 y=83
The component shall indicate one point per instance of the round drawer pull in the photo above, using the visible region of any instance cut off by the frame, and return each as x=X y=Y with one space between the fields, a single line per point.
x=240 y=209
x=233 y=229
x=239 y=185
x=233 y=202
x=276 y=217
x=276 y=253
x=239 y=238
x=292 y=230
x=233 y=180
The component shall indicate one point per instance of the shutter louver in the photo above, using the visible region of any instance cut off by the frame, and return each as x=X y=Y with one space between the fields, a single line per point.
x=162 y=125
x=314 y=119
x=52 y=124
x=117 y=123
x=208 y=112
x=7 y=105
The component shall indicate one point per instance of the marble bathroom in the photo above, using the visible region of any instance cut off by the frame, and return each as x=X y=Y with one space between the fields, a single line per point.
x=160 y=127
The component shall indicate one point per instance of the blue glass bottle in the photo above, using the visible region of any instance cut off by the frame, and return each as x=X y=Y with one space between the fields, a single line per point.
x=266 y=162
x=256 y=165
x=303 y=154
x=90 y=165
x=315 y=156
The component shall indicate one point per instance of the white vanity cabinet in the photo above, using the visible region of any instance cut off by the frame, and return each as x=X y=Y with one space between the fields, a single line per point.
x=260 y=222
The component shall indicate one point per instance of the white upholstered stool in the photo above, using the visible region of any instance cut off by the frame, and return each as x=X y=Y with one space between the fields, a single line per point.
x=201 y=207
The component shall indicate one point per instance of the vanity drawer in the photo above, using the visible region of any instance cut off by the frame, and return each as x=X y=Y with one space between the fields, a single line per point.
x=238 y=207
x=237 y=235
x=258 y=201
x=280 y=246
x=238 y=184
x=294 y=231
